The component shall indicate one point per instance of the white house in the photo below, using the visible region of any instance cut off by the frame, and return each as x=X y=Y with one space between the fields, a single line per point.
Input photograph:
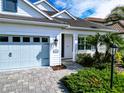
x=36 y=35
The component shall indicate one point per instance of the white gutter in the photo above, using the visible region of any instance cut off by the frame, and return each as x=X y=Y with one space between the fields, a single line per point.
x=4 y=20
x=64 y=26
x=90 y=29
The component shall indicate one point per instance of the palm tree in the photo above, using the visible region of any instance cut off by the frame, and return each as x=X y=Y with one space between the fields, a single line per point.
x=94 y=40
x=108 y=40
x=116 y=15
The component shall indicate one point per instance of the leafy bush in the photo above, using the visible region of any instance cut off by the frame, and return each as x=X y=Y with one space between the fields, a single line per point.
x=102 y=66
x=100 y=58
x=118 y=57
x=85 y=59
x=93 y=61
x=122 y=63
x=93 y=81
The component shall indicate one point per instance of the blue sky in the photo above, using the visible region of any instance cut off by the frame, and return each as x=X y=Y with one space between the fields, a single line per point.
x=87 y=8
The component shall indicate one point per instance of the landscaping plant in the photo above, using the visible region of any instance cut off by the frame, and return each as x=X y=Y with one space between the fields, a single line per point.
x=85 y=59
x=93 y=81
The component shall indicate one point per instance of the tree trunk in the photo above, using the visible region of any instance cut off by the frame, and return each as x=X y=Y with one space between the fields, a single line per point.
x=106 y=54
x=97 y=56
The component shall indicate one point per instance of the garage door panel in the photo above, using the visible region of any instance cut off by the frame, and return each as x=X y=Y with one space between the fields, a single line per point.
x=45 y=51
x=4 y=59
x=14 y=51
x=30 y=57
x=45 y=62
x=19 y=55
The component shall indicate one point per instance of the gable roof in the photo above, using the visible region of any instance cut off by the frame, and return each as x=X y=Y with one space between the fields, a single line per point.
x=92 y=19
x=82 y=23
x=40 y=1
x=64 y=11
x=71 y=24
x=6 y=16
x=117 y=26
x=38 y=10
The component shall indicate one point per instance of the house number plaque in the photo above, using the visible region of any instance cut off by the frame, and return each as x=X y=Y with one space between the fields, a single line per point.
x=55 y=51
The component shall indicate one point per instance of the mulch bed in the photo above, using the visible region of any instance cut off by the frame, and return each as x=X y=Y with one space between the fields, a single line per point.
x=119 y=68
x=58 y=67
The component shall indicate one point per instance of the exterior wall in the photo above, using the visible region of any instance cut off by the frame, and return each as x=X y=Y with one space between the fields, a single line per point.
x=64 y=15
x=22 y=10
x=45 y=7
x=32 y=30
x=52 y=32
x=75 y=41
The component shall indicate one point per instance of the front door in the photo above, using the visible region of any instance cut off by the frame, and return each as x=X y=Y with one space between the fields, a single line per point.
x=68 y=43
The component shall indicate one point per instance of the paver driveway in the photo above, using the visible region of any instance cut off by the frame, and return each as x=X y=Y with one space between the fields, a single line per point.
x=36 y=80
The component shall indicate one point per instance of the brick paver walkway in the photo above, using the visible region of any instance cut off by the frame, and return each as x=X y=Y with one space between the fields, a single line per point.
x=36 y=80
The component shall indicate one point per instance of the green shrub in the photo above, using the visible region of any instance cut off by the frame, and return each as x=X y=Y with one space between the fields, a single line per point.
x=118 y=57
x=102 y=66
x=93 y=81
x=85 y=59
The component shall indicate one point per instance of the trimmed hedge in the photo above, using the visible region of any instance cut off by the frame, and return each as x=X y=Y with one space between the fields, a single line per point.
x=93 y=81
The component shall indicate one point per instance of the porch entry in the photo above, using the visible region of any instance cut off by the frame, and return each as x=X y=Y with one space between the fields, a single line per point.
x=67 y=46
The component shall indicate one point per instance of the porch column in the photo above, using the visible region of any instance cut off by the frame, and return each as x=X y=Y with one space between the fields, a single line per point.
x=75 y=46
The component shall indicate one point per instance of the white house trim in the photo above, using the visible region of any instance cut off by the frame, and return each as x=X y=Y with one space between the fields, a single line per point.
x=64 y=11
x=38 y=10
x=32 y=22
x=38 y=2
x=75 y=46
x=64 y=26
x=90 y=29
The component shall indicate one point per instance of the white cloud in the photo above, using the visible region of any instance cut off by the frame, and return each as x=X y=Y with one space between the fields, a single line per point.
x=80 y=6
x=106 y=7
x=60 y=3
x=102 y=7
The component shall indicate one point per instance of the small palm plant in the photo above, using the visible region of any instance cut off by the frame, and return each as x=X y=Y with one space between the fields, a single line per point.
x=94 y=40
x=109 y=39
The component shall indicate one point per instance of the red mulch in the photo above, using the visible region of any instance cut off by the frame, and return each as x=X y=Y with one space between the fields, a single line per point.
x=58 y=67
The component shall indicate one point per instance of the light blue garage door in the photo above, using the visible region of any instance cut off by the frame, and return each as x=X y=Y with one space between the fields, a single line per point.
x=21 y=51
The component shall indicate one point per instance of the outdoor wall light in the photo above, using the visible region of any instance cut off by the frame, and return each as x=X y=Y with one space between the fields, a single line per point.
x=55 y=41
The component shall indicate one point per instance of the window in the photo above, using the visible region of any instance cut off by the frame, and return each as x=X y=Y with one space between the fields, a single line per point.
x=10 y=5
x=26 y=39
x=88 y=45
x=36 y=39
x=16 y=39
x=83 y=43
x=3 y=39
x=44 y=39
